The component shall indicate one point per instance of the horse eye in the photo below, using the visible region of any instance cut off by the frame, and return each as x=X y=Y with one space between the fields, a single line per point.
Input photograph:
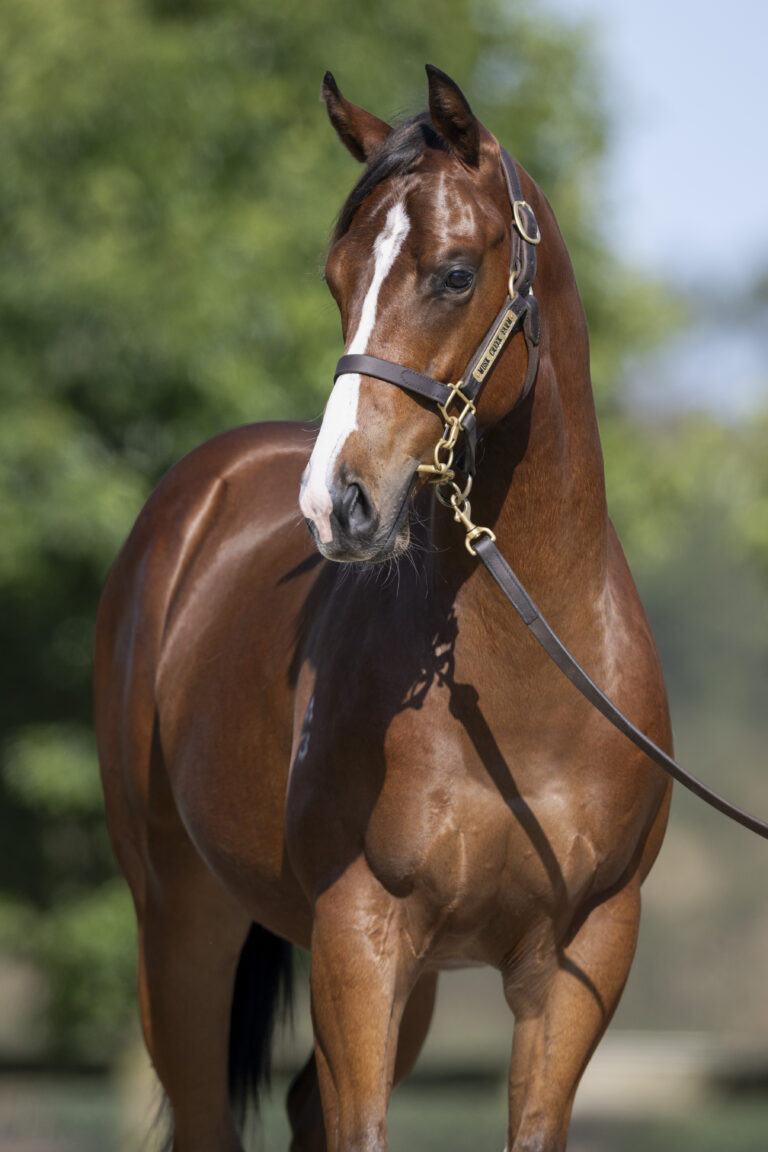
x=459 y=279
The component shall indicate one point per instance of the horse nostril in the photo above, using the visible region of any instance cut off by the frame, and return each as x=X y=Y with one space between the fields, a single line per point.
x=354 y=510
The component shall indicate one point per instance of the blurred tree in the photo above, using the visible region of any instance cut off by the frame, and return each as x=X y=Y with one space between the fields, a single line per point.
x=748 y=471
x=169 y=182
x=749 y=491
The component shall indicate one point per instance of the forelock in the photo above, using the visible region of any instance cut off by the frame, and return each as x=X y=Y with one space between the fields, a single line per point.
x=397 y=156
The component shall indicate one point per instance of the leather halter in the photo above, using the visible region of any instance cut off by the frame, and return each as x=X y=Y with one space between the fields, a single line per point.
x=518 y=310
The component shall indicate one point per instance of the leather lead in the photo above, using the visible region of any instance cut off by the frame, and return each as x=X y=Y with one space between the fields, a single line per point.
x=518 y=597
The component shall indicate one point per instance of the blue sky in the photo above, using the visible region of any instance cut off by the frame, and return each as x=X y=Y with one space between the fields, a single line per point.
x=689 y=87
x=687 y=181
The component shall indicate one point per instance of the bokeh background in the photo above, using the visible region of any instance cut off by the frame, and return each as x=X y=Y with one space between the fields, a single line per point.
x=168 y=183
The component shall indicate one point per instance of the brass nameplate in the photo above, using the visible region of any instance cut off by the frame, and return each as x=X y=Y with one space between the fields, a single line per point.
x=495 y=345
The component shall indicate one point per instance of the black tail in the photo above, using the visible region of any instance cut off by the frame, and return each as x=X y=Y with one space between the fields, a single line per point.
x=263 y=991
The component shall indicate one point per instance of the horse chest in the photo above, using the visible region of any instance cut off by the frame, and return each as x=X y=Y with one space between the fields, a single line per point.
x=435 y=837
x=470 y=859
x=437 y=823
x=442 y=843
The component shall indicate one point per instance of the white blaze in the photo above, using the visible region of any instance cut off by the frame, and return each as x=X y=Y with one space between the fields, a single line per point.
x=340 y=417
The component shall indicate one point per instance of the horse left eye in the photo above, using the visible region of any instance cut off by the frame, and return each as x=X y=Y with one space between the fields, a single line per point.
x=459 y=280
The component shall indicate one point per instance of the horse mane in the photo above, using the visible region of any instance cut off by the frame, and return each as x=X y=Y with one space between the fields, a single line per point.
x=399 y=152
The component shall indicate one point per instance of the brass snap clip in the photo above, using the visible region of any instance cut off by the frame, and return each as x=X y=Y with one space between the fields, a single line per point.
x=462 y=513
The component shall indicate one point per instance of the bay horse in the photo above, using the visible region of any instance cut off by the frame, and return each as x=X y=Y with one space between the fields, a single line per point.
x=301 y=745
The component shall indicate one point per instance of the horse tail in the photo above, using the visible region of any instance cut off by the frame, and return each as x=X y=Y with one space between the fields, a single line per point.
x=263 y=992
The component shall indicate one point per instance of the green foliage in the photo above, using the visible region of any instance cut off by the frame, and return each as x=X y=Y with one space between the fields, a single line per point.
x=87 y=947
x=169 y=184
x=748 y=489
x=656 y=475
x=49 y=768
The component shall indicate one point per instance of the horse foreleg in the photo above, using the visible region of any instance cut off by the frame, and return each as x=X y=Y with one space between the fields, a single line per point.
x=361 y=977
x=414 y=1025
x=303 y=1103
x=559 y=1024
x=305 y=1111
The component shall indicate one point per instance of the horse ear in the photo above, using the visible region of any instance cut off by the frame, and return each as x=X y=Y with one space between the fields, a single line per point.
x=453 y=117
x=361 y=131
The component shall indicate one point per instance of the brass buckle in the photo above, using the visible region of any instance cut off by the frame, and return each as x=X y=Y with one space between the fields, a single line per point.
x=516 y=206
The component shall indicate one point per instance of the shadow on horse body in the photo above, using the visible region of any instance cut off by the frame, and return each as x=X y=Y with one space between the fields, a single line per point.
x=377 y=761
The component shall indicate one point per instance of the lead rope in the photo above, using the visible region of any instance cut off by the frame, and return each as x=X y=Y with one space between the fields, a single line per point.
x=480 y=542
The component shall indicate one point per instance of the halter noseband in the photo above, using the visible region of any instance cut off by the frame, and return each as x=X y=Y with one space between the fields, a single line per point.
x=519 y=309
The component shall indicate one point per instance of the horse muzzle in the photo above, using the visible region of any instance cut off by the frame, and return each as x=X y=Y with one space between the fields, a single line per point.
x=349 y=527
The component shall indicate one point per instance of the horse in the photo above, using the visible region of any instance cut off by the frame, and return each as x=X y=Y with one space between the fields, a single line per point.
x=343 y=739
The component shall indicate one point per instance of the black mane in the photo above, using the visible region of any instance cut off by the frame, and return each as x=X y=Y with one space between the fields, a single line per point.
x=398 y=153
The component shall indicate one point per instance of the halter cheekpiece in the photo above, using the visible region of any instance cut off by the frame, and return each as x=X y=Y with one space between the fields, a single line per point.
x=519 y=309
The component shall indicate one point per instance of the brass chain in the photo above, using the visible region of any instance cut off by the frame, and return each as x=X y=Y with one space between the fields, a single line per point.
x=442 y=472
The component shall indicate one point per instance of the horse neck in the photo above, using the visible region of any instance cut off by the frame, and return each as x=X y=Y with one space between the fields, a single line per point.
x=540 y=482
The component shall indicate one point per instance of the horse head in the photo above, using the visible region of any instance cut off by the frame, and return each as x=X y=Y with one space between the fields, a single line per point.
x=418 y=265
